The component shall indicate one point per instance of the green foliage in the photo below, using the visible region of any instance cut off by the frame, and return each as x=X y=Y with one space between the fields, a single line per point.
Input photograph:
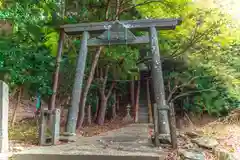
x=24 y=65
x=25 y=59
x=206 y=44
x=121 y=59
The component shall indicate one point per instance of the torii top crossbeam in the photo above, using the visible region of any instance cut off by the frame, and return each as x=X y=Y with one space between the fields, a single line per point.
x=142 y=25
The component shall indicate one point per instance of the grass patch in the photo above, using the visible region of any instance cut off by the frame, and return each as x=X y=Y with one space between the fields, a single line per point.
x=25 y=131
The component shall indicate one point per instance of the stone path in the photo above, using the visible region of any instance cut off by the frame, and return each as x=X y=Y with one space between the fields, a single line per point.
x=130 y=142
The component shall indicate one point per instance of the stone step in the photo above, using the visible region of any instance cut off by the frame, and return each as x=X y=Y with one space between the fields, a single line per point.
x=143 y=104
x=58 y=156
x=143 y=113
x=143 y=120
x=142 y=109
x=143 y=117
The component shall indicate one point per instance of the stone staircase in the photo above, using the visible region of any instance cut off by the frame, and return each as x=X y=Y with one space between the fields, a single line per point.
x=143 y=111
x=143 y=105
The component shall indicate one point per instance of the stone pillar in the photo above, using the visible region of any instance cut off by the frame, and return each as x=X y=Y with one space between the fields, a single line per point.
x=56 y=126
x=77 y=87
x=156 y=126
x=4 y=103
x=42 y=127
x=158 y=84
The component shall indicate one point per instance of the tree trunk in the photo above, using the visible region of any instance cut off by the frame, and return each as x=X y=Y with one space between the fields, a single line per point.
x=81 y=113
x=118 y=103
x=97 y=109
x=104 y=98
x=102 y=111
x=14 y=91
x=137 y=101
x=132 y=90
x=52 y=101
x=89 y=114
x=114 y=113
x=16 y=107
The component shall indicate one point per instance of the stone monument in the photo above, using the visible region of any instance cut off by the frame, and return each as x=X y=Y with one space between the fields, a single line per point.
x=4 y=103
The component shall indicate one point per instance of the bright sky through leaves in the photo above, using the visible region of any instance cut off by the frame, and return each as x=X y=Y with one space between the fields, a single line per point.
x=231 y=7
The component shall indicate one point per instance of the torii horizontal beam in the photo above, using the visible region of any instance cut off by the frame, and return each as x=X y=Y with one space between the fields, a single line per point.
x=142 y=25
x=98 y=42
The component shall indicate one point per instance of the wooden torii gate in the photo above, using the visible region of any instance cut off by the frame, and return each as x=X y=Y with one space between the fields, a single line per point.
x=116 y=33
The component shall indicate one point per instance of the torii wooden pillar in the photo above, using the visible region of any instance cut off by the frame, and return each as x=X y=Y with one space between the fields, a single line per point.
x=120 y=37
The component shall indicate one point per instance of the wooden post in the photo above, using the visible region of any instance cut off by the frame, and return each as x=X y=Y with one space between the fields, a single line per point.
x=158 y=84
x=4 y=105
x=149 y=103
x=173 y=129
x=137 y=101
x=132 y=92
x=156 y=128
x=51 y=105
x=77 y=87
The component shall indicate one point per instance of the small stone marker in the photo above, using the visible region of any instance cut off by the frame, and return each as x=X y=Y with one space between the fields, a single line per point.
x=128 y=117
x=54 y=117
x=4 y=103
